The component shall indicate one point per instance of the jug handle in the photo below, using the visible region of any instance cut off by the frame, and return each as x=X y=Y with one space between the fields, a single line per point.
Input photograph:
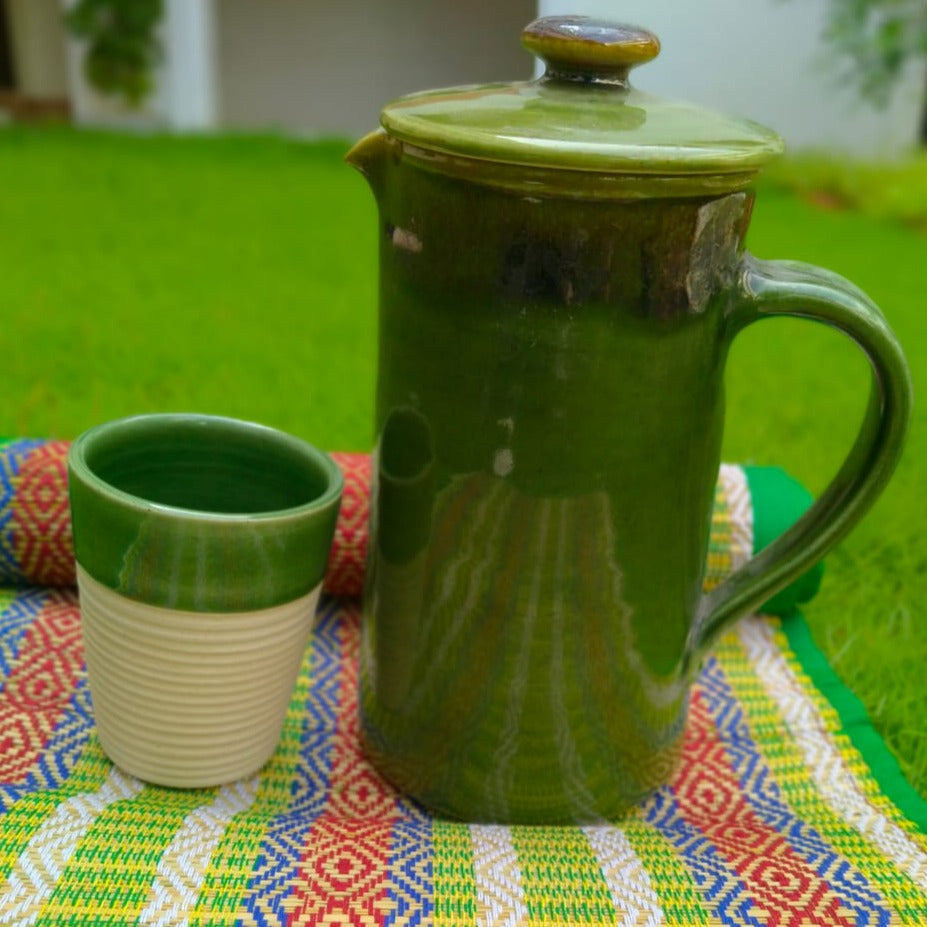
x=765 y=289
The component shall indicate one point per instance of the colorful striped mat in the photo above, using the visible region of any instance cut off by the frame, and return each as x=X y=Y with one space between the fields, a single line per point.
x=784 y=810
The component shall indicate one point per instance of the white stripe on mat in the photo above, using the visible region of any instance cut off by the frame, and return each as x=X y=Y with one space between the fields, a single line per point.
x=183 y=865
x=821 y=756
x=496 y=874
x=628 y=881
x=740 y=509
x=41 y=864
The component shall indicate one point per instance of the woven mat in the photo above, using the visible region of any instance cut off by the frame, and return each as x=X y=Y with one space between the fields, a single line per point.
x=783 y=810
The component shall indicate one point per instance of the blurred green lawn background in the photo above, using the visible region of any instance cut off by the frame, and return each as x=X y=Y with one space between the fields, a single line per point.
x=238 y=276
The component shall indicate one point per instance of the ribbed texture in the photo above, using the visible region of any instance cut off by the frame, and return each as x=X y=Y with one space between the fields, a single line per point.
x=190 y=699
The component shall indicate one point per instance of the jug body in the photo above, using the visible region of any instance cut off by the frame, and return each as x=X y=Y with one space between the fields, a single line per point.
x=562 y=273
x=549 y=417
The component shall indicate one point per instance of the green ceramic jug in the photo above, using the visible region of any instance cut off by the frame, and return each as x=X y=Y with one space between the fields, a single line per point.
x=562 y=273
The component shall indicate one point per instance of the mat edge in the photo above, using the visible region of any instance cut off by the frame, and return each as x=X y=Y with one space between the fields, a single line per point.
x=855 y=721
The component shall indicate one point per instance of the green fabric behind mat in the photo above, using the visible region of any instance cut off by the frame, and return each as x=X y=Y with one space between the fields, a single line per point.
x=778 y=502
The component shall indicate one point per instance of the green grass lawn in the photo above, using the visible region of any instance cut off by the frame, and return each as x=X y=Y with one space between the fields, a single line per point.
x=238 y=276
x=229 y=276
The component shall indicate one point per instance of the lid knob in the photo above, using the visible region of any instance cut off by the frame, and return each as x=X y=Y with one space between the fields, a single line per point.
x=587 y=50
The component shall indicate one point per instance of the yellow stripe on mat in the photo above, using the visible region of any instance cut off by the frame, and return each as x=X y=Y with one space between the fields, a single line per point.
x=35 y=879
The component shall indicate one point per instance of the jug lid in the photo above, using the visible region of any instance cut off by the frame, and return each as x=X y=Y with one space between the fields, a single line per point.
x=583 y=115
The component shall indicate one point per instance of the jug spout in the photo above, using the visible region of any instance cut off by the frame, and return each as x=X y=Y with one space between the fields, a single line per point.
x=369 y=156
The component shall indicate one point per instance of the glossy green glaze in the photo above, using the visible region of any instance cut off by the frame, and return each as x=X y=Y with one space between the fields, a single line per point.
x=583 y=115
x=201 y=512
x=549 y=415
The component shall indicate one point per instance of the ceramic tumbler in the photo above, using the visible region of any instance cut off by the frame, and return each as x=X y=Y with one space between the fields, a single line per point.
x=201 y=545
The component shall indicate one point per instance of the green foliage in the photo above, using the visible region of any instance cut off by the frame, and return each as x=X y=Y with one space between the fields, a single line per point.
x=873 y=42
x=877 y=38
x=122 y=44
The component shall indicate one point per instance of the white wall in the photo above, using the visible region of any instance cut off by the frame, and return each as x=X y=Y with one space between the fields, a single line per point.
x=328 y=68
x=189 y=71
x=762 y=59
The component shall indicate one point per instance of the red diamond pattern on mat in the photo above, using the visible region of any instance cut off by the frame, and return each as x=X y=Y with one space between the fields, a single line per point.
x=17 y=738
x=342 y=876
x=358 y=790
x=41 y=520
x=360 y=793
x=342 y=880
x=345 y=573
x=40 y=684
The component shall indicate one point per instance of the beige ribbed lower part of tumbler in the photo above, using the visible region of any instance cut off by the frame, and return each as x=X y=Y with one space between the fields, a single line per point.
x=190 y=699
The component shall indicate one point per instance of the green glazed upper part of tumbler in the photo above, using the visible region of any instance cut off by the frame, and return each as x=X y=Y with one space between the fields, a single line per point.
x=584 y=115
x=201 y=512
